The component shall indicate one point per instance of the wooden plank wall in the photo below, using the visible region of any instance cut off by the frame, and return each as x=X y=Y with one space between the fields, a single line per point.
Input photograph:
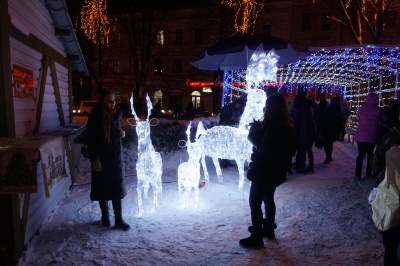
x=40 y=207
x=32 y=18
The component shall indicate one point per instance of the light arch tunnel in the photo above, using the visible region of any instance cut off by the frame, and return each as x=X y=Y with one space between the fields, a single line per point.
x=351 y=71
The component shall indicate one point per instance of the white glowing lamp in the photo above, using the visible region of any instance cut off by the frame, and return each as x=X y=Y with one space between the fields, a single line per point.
x=149 y=163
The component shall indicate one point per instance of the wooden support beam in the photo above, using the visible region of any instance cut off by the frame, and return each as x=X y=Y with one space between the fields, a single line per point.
x=53 y=73
x=41 y=87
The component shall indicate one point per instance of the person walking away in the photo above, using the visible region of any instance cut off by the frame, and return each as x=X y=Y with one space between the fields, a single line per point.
x=306 y=133
x=390 y=237
x=345 y=112
x=367 y=133
x=103 y=138
x=330 y=127
x=273 y=144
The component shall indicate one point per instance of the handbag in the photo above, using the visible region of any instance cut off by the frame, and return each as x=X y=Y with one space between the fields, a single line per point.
x=385 y=205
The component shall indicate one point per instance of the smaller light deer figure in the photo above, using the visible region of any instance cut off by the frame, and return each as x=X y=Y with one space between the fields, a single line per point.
x=149 y=163
x=189 y=172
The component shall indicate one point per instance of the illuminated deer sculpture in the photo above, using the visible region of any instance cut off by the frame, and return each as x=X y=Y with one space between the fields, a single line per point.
x=229 y=142
x=149 y=163
x=189 y=172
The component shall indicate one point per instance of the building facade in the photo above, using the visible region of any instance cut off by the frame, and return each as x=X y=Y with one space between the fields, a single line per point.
x=177 y=33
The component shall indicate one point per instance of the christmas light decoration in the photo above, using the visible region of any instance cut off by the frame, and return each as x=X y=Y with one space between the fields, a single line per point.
x=228 y=142
x=351 y=72
x=94 y=21
x=149 y=163
x=246 y=15
x=189 y=172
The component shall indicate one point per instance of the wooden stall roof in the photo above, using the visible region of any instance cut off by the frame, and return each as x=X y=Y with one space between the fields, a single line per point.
x=65 y=32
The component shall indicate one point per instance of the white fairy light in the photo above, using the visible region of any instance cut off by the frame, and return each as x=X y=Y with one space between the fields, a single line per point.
x=262 y=67
x=149 y=163
x=189 y=172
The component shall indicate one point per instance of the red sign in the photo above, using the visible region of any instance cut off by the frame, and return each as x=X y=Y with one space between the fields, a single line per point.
x=201 y=84
x=23 y=82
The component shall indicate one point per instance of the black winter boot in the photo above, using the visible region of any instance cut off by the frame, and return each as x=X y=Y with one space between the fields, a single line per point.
x=255 y=240
x=105 y=218
x=269 y=230
x=119 y=222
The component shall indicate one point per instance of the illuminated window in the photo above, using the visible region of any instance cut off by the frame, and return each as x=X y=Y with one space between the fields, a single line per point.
x=198 y=36
x=178 y=36
x=306 y=22
x=160 y=37
x=158 y=96
x=196 y=96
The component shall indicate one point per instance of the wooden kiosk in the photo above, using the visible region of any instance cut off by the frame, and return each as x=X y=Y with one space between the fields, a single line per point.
x=39 y=53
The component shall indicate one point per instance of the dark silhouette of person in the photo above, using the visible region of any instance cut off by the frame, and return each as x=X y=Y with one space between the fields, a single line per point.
x=273 y=144
x=306 y=133
x=390 y=237
x=157 y=109
x=330 y=126
x=190 y=110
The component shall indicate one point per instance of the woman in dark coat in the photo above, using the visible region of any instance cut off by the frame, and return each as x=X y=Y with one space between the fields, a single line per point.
x=103 y=138
x=330 y=127
x=273 y=145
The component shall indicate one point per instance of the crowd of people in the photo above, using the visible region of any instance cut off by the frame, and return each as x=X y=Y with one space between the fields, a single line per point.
x=286 y=132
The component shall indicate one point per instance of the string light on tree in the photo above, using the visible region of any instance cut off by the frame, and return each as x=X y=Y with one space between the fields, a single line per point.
x=246 y=15
x=94 y=21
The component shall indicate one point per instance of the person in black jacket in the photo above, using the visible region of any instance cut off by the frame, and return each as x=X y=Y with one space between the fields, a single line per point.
x=330 y=127
x=306 y=133
x=273 y=145
x=103 y=138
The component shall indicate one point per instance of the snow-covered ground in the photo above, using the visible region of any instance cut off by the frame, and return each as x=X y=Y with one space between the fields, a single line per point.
x=323 y=219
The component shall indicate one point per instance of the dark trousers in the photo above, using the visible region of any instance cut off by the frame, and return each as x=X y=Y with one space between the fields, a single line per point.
x=304 y=149
x=342 y=130
x=364 y=148
x=258 y=195
x=328 y=147
x=117 y=206
x=391 y=241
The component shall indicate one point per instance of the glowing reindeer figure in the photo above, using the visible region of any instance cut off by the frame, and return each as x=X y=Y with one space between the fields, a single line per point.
x=189 y=172
x=149 y=163
x=229 y=142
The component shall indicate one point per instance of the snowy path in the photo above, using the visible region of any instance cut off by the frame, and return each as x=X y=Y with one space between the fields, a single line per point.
x=323 y=219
